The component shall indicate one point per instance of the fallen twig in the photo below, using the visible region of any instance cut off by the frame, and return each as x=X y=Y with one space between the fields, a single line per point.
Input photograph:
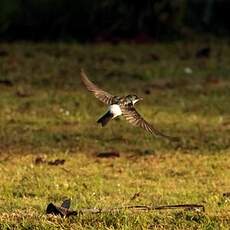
x=42 y=160
x=64 y=211
x=108 y=154
x=196 y=207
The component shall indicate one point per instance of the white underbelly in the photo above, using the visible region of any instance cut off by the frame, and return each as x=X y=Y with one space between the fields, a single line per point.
x=115 y=110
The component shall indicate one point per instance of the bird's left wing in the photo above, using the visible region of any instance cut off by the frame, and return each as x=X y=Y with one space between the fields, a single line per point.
x=134 y=118
x=100 y=94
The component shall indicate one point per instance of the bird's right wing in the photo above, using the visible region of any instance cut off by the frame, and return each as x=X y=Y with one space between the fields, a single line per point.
x=100 y=94
x=134 y=118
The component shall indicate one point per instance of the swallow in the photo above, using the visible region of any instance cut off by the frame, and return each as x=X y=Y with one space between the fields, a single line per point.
x=121 y=106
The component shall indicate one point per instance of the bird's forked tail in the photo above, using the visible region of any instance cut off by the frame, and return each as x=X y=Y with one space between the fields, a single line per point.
x=105 y=118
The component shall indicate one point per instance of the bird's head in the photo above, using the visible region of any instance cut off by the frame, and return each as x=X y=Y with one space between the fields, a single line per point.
x=133 y=98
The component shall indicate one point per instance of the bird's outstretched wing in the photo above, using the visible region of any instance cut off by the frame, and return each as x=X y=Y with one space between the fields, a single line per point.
x=133 y=117
x=100 y=94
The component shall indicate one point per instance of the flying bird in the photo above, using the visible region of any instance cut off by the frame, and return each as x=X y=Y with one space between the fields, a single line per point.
x=121 y=106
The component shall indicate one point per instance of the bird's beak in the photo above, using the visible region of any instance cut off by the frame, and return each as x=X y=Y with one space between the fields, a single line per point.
x=139 y=99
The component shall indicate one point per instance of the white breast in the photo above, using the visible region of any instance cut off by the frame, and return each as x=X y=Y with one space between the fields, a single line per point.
x=115 y=110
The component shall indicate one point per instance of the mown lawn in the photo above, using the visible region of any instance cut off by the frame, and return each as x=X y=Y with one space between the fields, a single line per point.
x=47 y=114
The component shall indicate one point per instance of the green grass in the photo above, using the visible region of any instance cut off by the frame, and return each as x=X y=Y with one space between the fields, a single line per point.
x=47 y=112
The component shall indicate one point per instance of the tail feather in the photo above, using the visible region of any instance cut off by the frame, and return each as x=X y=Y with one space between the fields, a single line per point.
x=105 y=119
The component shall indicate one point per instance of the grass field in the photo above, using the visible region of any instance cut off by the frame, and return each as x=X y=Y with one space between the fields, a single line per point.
x=47 y=113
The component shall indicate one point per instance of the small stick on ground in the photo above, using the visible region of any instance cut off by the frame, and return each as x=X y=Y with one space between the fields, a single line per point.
x=55 y=210
x=196 y=207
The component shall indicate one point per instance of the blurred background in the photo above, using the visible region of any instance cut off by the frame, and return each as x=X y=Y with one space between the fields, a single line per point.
x=175 y=54
x=112 y=20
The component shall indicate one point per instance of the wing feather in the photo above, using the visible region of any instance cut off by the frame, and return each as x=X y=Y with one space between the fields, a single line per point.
x=134 y=118
x=100 y=94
